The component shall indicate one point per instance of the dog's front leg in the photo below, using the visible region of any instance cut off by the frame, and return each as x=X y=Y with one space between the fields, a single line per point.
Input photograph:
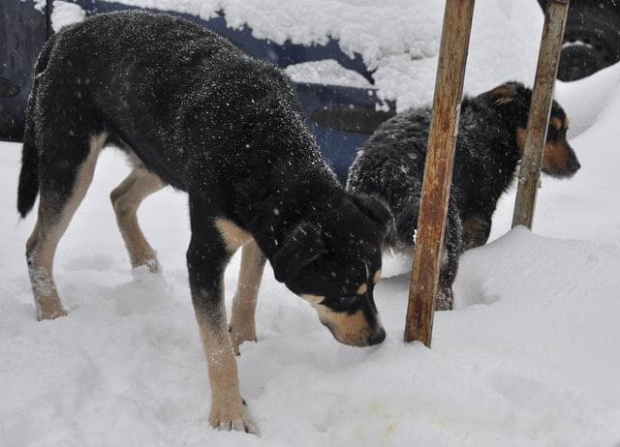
x=206 y=259
x=242 y=325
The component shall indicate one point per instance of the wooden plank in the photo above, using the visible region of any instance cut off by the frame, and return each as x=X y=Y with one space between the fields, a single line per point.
x=438 y=170
x=540 y=108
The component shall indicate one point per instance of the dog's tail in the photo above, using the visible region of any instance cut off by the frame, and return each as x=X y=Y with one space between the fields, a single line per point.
x=28 y=188
x=29 y=176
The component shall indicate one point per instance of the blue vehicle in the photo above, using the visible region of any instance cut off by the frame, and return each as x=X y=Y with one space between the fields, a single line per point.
x=341 y=118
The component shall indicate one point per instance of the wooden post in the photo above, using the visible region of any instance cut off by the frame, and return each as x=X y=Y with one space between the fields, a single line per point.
x=540 y=108
x=438 y=170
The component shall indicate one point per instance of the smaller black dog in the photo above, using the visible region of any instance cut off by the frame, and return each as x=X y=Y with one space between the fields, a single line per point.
x=489 y=147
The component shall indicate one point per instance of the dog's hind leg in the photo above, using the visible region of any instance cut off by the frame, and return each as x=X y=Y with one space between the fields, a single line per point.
x=126 y=199
x=452 y=250
x=242 y=324
x=63 y=187
x=476 y=230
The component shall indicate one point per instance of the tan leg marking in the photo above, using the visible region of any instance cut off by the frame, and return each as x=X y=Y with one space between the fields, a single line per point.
x=227 y=411
x=233 y=236
x=126 y=199
x=377 y=277
x=42 y=244
x=242 y=324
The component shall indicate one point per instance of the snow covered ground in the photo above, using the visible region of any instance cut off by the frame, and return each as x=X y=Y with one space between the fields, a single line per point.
x=531 y=356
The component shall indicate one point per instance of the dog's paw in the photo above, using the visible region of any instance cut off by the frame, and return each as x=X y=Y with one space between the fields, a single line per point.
x=147 y=270
x=240 y=335
x=444 y=299
x=232 y=419
x=50 y=310
x=154 y=265
x=150 y=265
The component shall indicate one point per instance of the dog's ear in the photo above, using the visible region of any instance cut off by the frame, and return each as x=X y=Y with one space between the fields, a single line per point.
x=302 y=246
x=373 y=208
x=502 y=94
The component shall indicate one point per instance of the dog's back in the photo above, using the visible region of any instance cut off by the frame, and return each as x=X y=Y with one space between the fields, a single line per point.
x=391 y=164
x=166 y=98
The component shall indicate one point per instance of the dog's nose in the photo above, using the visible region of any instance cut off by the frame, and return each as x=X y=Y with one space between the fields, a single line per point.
x=573 y=166
x=377 y=337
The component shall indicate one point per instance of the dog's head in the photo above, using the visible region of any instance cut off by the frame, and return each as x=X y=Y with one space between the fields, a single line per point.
x=513 y=99
x=334 y=263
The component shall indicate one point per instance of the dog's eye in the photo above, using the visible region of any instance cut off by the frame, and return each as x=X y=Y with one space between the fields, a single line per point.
x=341 y=303
x=350 y=299
x=552 y=134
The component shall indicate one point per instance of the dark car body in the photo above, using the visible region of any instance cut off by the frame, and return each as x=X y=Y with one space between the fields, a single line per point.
x=341 y=117
x=591 y=39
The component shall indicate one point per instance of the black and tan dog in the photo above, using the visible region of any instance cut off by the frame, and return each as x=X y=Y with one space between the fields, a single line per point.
x=489 y=147
x=194 y=112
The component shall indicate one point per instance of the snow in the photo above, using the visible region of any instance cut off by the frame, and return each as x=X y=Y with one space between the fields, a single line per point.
x=66 y=13
x=326 y=72
x=528 y=358
x=585 y=99
x=39 y=5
